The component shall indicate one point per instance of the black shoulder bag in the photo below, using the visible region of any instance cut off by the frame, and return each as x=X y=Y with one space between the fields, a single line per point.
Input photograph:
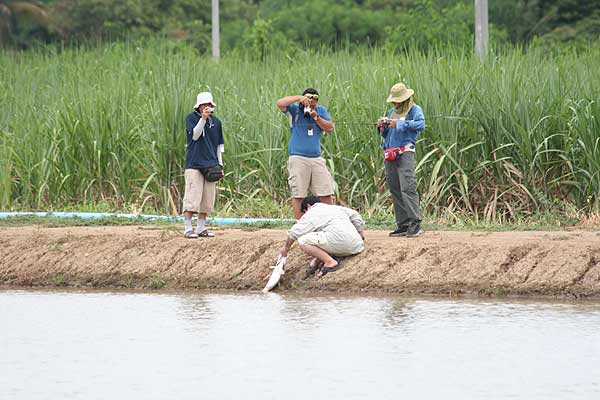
x=213 y=173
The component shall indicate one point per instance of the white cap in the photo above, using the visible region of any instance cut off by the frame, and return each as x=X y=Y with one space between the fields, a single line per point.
x=204 y=98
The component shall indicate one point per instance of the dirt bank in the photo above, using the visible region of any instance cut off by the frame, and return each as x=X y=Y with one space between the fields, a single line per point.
x=501 y=263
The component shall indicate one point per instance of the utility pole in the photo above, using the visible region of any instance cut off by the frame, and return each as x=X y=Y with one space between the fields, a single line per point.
x=481 y=28
x=216 y=40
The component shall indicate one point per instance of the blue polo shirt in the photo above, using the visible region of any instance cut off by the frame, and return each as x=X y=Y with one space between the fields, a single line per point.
x=406 y=131
x=302 y=142
x=202 y=153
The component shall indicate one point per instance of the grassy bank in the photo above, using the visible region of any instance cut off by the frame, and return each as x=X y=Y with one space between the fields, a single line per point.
x=541 y=222
x=103 y=129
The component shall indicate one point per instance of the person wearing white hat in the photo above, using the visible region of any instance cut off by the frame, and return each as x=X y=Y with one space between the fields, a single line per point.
x=203 y=164
x=399 y=130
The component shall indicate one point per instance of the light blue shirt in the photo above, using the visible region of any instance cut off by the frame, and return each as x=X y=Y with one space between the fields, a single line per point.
x=406 y=131
x=305 y=139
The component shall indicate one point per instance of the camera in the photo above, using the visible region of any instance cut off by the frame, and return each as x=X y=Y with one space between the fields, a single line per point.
x=210 y=109
x=307 y=111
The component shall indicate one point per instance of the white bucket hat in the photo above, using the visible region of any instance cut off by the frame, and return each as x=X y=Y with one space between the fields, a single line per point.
x=204 y=98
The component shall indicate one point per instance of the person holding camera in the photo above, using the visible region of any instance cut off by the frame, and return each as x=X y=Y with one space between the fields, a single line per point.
x=399 y=130
x=203 y=165
x=306 y=168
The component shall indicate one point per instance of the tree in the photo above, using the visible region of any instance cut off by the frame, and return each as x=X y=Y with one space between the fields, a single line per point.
x=97 y=19
x=326 y=22
x=562 y=20
x=22 y=22
x=428 y=23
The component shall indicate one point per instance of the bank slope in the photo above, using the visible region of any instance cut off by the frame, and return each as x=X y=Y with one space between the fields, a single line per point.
x=563 y=263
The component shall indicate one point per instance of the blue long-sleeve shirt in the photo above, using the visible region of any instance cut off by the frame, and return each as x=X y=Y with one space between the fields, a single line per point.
x=406 y=131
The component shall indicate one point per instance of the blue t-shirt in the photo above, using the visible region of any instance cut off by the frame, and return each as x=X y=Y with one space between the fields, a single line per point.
x=406 y=131
x=202 y=153
x=305 y=139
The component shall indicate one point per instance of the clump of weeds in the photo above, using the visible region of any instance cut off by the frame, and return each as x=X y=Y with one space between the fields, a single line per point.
x=156 y=282
x=59 y=280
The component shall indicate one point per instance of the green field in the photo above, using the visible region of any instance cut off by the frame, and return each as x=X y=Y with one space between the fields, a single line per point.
x=104 y=129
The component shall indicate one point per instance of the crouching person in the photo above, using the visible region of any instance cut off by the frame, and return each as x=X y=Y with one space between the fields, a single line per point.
x=326 y=232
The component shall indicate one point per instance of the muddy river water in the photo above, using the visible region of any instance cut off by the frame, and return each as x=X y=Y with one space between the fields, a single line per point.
x=115 y=345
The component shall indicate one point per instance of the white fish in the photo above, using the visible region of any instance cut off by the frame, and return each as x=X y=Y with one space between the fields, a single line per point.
x=276 y=274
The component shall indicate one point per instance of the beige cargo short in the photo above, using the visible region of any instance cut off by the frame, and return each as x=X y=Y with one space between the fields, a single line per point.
x=199 y=193
x=332 y=243
x=309 y=173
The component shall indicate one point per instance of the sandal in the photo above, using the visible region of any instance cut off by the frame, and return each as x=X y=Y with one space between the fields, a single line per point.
x=314 y=268
x=325 y=270
x=205 y=233
x=190 y=235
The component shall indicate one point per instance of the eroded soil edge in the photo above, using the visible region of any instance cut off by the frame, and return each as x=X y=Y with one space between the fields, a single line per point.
x=500 y=263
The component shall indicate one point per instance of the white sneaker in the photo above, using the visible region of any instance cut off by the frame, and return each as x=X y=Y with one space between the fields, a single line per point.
x=190 y=235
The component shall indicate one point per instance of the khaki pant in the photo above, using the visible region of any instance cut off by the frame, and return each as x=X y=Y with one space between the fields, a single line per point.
x=309 y=173
x=199 y=193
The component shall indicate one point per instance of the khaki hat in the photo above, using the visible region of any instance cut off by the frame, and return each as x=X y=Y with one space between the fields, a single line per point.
x=399 y=93
x=204 y=98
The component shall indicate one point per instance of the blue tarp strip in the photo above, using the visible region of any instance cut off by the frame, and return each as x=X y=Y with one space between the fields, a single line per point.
x=215 y=221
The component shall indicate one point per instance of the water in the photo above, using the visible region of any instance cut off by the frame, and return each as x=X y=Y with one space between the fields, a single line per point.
x=91 y=345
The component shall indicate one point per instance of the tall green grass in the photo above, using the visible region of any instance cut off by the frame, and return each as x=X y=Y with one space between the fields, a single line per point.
x=514 y=136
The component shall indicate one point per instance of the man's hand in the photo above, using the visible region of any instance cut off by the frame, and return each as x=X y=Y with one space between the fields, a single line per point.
x=286 y=101
x=313 y=113
x=383 y=122
x=207 y=112
x=284 y=251
x=393 y=123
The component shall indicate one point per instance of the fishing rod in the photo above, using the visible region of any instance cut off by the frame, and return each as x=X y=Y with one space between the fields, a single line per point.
x=343 y=122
